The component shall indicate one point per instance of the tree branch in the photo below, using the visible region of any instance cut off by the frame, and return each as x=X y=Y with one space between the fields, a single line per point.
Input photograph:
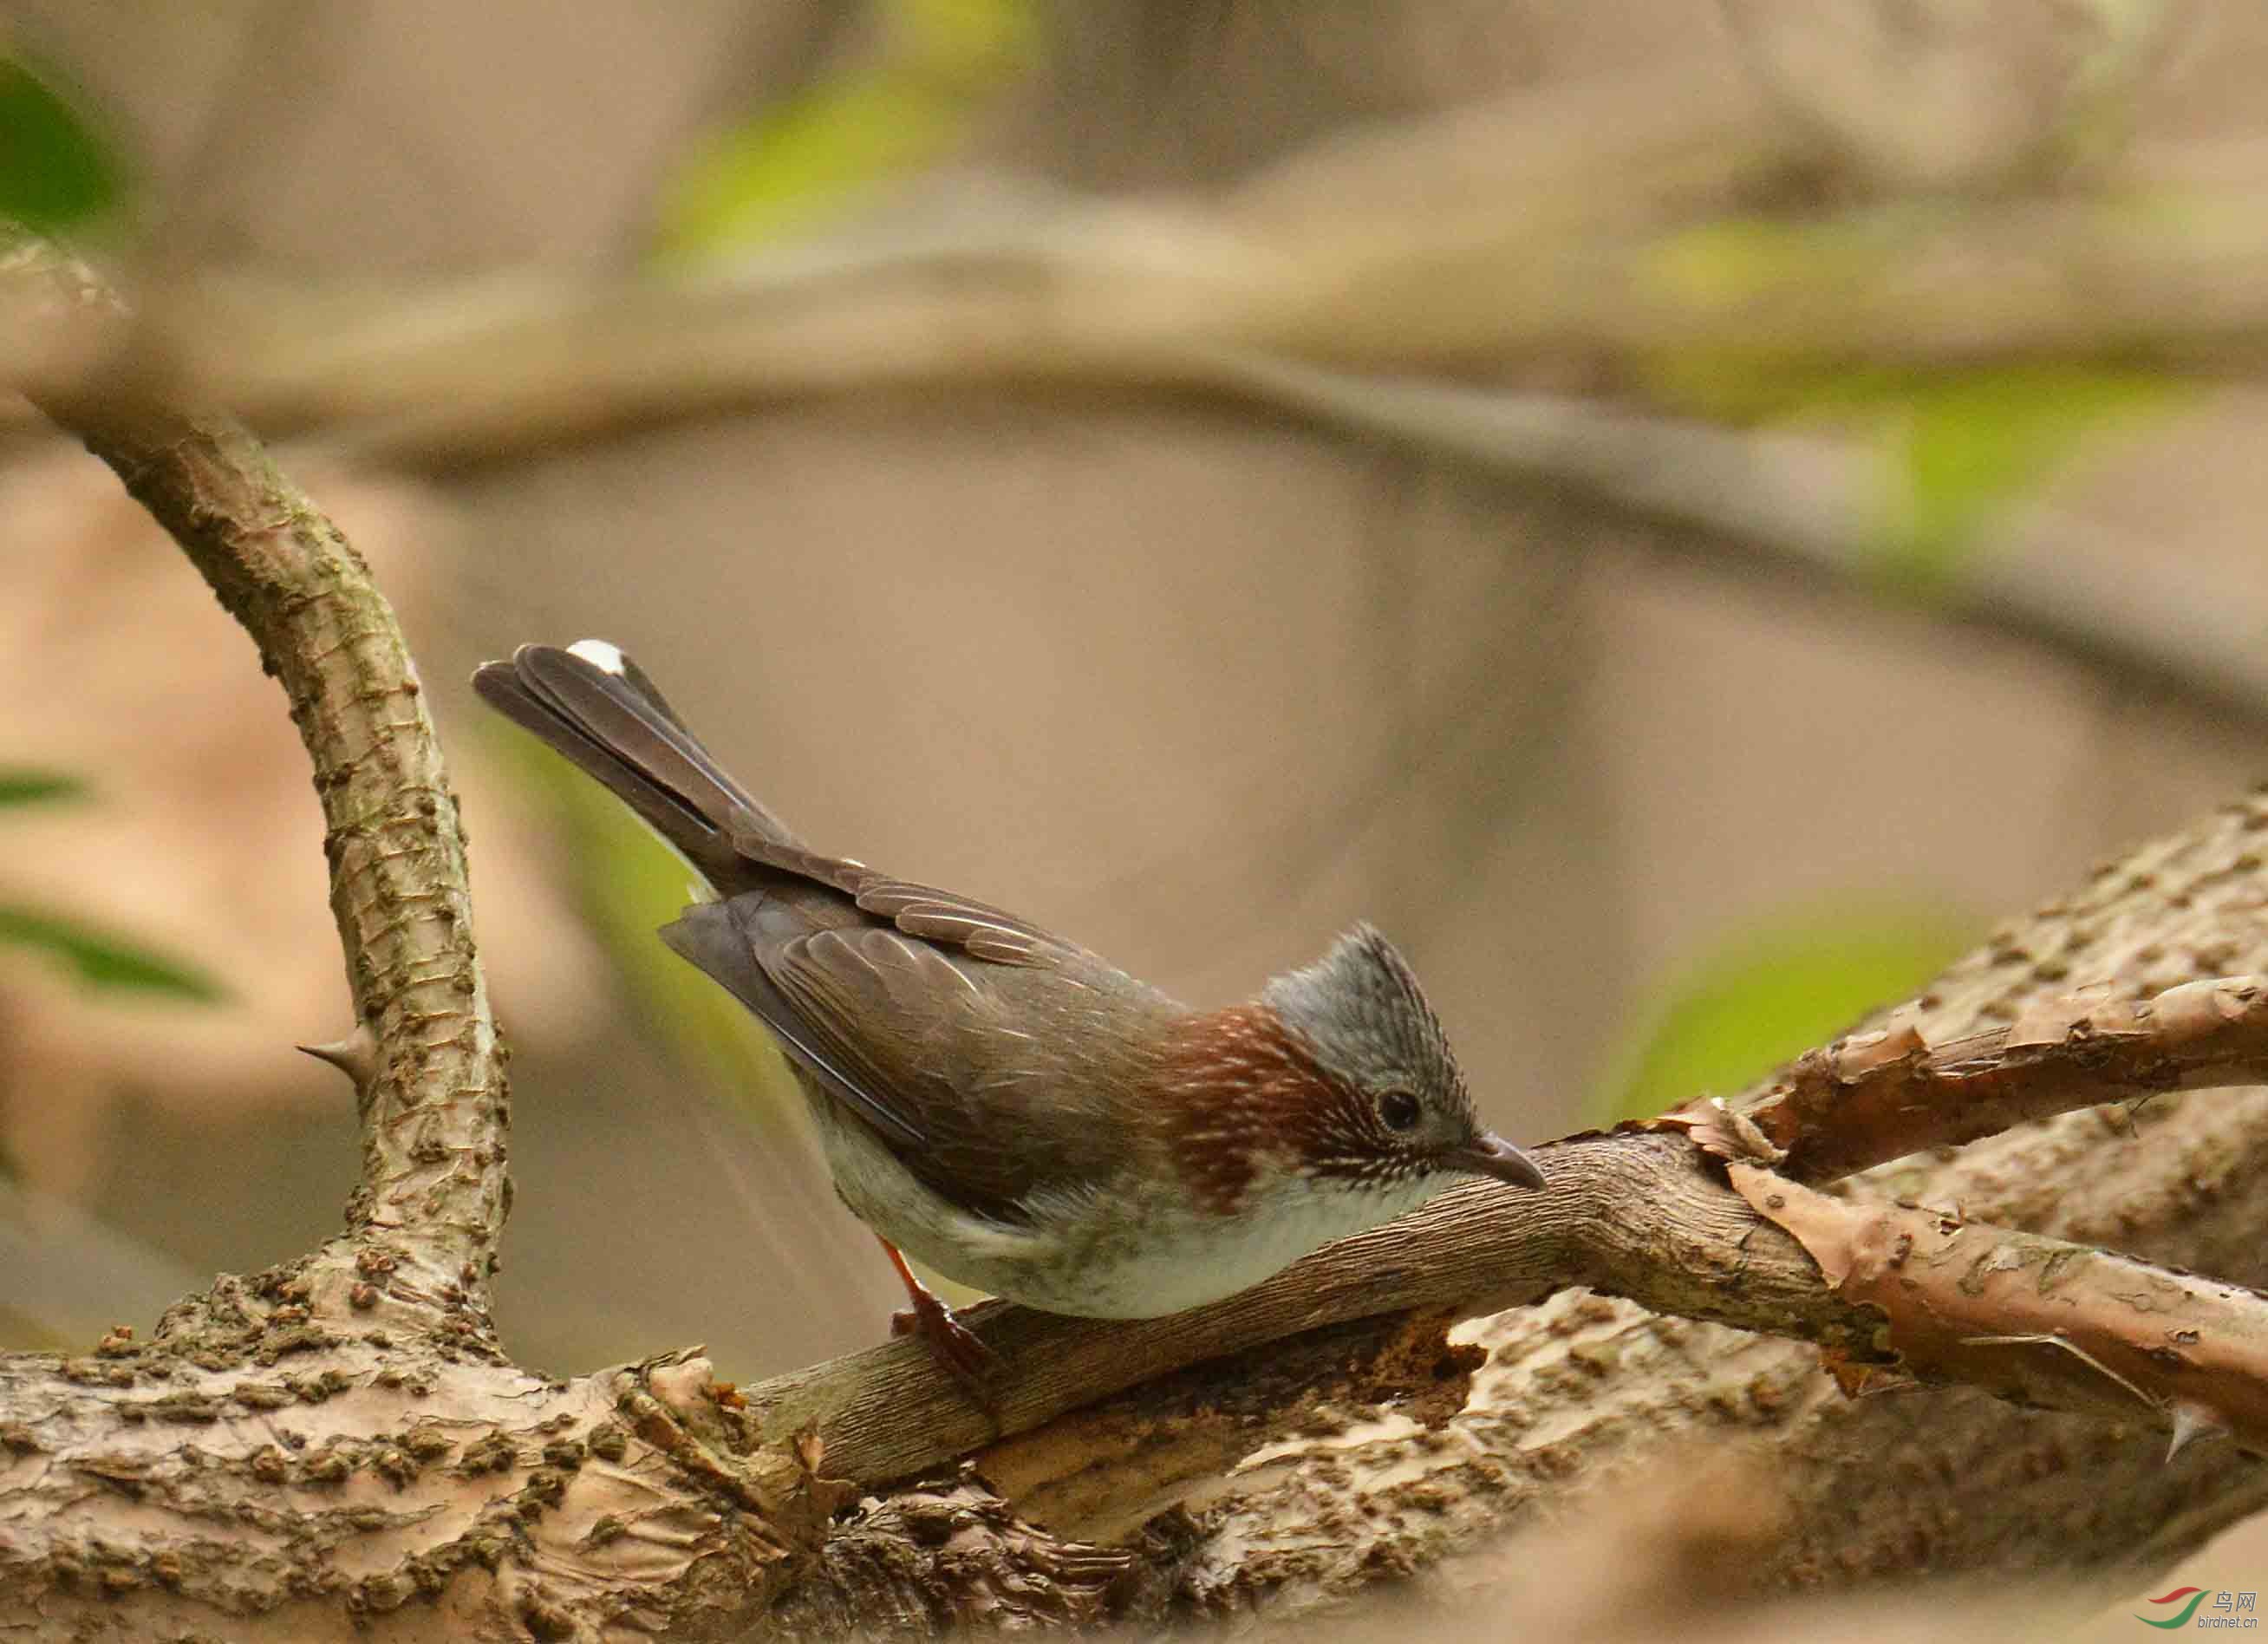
x=348 y=1418
x=377 y=1465
x=1799 y=508
x=1876 y=1096
x=423 y=1051
x=2037 y=1320
x=1697 y=1251
x=1270 y=296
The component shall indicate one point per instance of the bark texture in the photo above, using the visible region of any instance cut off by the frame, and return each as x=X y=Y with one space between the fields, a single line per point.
x=338 y=1447
x=1307 y=1466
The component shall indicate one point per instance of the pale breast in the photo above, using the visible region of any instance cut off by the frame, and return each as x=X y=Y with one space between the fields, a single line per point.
x=1185 y=1260
x=1092 y=1259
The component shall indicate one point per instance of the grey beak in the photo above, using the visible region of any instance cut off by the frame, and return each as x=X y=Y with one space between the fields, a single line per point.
x=1489 y=1155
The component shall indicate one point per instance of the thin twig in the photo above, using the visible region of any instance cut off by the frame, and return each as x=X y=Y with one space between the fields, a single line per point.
x=1876 y=1096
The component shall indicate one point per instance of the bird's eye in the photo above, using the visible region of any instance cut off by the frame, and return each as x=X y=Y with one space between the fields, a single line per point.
x=1398 y=1109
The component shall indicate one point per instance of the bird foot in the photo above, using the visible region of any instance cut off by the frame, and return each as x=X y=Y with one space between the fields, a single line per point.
x=957 y=1348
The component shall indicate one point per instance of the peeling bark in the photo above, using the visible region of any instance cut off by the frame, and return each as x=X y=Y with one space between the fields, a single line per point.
x=2030 y=1319
x=1877 y=1096
x=338 y=1447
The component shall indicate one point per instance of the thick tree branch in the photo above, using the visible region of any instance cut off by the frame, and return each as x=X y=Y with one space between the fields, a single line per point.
x=2035 y=1320
x=1697 y=1250
x=338 y=1447
x=422 y=1050
x=379 y=1466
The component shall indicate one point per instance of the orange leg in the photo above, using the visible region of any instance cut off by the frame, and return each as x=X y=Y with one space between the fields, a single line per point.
x=953 y=1343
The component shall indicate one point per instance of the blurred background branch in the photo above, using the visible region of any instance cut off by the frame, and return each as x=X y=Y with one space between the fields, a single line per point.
x=1680 y=513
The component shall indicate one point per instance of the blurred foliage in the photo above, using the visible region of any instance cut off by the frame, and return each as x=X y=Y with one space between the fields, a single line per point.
x=1771 y=992
x=1751 y=262
x=29 y=787
x=1973 y=441
x=56 y=173
x=101 y=961
x=2127 y=41
x=629 y=884
x=1963 y=443
x=942 y=63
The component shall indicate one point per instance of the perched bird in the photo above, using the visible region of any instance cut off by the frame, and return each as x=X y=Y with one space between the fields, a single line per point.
x=1017 y=1113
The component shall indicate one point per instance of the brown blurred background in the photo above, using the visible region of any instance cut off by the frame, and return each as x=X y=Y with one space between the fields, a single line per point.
x=1196 y=676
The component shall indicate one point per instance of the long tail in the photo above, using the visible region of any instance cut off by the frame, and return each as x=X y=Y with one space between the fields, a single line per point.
x=598 y=708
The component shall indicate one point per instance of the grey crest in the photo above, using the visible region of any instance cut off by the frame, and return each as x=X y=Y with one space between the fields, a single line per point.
x=1360 y=1011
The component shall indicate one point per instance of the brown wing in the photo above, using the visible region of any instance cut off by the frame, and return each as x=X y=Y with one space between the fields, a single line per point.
x=707 y=936
x=954 y=921
x=946 y=1051
x=908 y=1005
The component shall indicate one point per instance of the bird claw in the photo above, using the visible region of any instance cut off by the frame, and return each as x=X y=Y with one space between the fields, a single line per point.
x=958 y=1349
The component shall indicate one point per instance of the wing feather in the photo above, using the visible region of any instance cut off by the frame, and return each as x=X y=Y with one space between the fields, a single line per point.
x=711 y=937
x=938 y=1019
x=977 y=928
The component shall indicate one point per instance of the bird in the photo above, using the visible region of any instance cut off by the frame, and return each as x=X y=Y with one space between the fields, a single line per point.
x=1014 y=1111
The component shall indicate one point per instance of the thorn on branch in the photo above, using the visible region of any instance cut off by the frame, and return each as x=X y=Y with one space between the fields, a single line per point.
x=356 y=1056
x=2192 y=1421
x=2069 y=1347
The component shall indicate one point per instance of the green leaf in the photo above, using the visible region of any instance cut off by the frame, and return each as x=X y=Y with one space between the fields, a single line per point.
x=55 y=173
x=1974 y=441
x=786 y=169
x=103 y=960
x=1963 y=442
x=33 y=787
x=797 y=161
x=1963 y=446
x=1771 y=992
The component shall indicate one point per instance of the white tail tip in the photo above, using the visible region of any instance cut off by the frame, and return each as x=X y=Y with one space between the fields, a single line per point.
x=600 y=653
